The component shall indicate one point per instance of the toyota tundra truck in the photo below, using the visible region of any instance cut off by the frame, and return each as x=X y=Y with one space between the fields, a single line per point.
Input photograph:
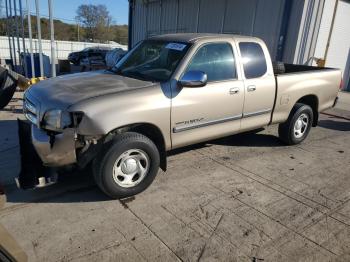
x=168 y=92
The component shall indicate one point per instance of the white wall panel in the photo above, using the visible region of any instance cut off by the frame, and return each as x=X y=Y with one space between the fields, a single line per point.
x=63 y=48
x=325 y=27
x=339 y=47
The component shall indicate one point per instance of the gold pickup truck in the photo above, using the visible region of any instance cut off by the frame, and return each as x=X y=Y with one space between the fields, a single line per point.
x=168 y=92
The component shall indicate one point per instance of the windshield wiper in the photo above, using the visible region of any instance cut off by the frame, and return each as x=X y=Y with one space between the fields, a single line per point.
x=135 y=74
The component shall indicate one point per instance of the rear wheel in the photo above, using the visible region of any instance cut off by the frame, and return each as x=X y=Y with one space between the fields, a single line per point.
x=298 y=125
x=127 y=166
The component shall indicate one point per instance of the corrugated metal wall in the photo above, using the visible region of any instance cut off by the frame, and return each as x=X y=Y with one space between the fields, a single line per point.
x=246 y=17
x=262 y=18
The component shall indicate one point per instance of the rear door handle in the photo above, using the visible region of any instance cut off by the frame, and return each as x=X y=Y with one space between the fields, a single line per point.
x=234 y=90
x=251 y=88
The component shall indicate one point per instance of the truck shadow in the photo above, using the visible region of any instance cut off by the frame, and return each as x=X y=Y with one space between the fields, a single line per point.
x=70 y=188
x=247 y=139
x=80 y=186
x=339 y=125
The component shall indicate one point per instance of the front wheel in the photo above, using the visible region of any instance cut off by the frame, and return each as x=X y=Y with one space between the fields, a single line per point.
x=127 y=166
x=298 y=125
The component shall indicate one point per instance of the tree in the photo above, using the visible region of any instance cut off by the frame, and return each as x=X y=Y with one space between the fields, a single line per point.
x=95 y=20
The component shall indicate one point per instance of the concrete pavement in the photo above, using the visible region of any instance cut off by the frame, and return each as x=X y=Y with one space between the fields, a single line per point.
x=243 y=198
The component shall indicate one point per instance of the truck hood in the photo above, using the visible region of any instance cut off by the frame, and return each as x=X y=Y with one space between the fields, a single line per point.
x=64 y=91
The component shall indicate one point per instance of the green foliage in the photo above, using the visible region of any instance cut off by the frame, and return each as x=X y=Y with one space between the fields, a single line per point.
x=96 y=25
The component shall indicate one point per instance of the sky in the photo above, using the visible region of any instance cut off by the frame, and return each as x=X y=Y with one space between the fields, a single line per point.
x=66 y=9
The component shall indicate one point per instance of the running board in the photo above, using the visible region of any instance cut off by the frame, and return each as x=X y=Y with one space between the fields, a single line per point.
x=33 y=173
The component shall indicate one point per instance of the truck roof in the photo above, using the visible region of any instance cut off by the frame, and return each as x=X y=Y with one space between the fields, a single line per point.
x=193 y=37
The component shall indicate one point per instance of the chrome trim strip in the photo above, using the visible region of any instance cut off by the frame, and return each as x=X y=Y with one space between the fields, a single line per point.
x=257 y=113
x=30 y=107
x=31 y=118
x=204 y=124
x=30 y=111
x=220 y=121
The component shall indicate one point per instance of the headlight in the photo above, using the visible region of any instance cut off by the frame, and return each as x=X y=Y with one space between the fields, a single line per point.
x=56 y=120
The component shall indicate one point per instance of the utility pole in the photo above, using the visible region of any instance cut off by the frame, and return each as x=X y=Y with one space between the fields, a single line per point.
x=23 y=40
x=30 y=38
x=13 y=39
x=52 y=33
x=78 y=31
x=39 y=38
x=8 y=32
x=17 y=31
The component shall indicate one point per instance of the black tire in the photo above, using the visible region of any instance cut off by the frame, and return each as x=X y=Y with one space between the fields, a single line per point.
x=103 y=165
x=7 y=88
x=286 y=130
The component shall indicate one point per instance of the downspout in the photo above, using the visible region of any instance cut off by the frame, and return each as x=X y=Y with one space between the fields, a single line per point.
x=331 y=31
x=160 y=17
x=198 y=13
x=177 y=15
x=284 y=29
x=131 y=5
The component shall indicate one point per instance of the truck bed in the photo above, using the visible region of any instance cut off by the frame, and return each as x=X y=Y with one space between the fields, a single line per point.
x=320 y=85
x=281 y=68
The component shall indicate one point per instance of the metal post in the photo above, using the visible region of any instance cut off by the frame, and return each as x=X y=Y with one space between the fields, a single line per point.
x=13 y=40
x=30 y=38
x=17 y=31
x=39 y=38
x=23 y=40
x=78 y=32
x=52 y=33
x=198 y=13
x=331 y=30
x=8 y=32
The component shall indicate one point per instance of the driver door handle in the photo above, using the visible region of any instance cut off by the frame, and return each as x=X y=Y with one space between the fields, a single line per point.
x=251 y=88
x=234 y=90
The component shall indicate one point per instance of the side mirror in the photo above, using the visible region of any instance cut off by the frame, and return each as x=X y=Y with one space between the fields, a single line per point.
x=120 y=57
x=194 y=79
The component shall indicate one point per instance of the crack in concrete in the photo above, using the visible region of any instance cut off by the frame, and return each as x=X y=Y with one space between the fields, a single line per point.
x=153 y=233
x=206 y=242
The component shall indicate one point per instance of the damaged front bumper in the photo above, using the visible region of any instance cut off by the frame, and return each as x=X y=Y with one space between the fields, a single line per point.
x=42 y=154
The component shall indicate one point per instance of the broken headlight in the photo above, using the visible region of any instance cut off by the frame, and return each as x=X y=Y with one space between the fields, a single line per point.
x=56 y=120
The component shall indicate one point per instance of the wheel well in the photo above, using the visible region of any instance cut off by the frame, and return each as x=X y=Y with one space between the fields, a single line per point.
x=153 y=133
x=312 y=101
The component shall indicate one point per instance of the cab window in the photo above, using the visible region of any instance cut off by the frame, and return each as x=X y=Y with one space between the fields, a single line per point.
x=216 y=60
x=253 y=59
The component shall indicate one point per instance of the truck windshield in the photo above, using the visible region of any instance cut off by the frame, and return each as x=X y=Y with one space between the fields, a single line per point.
x=152 y=60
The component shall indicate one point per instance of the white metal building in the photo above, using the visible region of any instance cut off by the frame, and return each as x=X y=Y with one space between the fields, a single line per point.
x=294 y=30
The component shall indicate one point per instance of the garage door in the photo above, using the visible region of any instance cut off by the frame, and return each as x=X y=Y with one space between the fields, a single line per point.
x=339 y=48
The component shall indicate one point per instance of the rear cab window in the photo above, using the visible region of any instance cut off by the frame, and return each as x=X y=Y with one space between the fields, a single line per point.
x=253 y=59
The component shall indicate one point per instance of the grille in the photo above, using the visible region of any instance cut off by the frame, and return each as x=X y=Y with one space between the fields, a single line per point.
x=30 y=111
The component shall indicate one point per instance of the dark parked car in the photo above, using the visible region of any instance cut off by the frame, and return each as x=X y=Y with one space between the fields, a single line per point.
x=98 y=53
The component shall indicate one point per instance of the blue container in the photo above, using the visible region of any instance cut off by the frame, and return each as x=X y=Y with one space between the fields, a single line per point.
x=46 y=65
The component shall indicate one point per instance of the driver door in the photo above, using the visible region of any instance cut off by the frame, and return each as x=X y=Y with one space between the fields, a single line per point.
x=212 y=111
